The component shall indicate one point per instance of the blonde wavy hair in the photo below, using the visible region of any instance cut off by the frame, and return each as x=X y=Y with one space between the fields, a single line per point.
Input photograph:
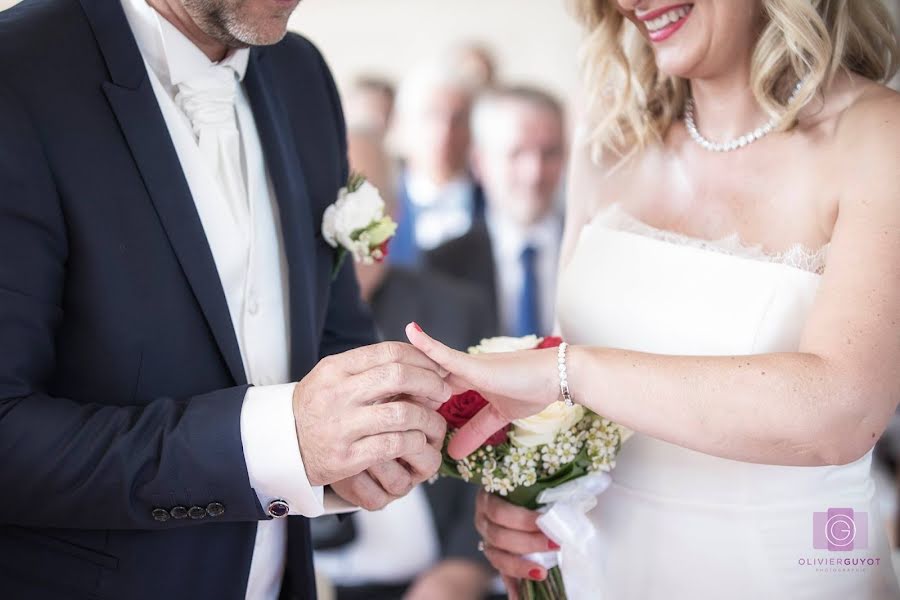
x=630 y=104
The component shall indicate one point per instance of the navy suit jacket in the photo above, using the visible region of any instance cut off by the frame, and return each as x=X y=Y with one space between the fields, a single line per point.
x=121 y=381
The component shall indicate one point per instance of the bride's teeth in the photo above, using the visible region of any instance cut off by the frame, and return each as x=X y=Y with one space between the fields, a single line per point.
x=674 y=15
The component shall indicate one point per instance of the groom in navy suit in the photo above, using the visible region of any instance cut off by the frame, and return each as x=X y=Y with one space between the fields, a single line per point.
x=182 y=380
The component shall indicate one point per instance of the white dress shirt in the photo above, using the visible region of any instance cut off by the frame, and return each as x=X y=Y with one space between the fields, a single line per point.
x=246 y=247
x=508 y=240
x=392 y=546
x=443 y=212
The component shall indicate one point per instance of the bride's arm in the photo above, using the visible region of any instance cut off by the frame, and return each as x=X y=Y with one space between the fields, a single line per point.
x=825 y=404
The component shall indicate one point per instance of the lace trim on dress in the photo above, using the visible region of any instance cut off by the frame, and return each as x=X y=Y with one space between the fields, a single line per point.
x=797 y=256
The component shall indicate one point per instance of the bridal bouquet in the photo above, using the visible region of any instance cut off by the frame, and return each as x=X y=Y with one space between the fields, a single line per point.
x=557 y=458
x=356 y=224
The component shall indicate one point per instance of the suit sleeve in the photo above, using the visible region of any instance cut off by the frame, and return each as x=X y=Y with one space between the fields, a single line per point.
x=77 y=464
x=348 y=321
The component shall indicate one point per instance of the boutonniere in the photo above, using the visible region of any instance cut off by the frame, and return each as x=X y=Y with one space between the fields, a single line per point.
x=356 y=224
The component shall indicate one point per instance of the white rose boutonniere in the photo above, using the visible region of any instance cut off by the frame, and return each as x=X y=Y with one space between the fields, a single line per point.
x=356 y=224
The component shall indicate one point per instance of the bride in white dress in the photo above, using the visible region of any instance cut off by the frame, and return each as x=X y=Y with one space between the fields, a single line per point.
x=737 y=305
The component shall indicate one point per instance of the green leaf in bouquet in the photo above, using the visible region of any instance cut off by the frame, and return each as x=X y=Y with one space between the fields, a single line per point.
x=527 y=496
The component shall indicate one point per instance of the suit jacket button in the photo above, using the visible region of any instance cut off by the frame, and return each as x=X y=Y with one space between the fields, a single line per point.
x=160 y=514
x=278 y=509
x=179 y=512
x=196 y=512
x=215 y=509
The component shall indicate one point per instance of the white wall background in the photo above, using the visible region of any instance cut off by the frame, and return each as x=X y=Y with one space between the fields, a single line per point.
x=534 y=40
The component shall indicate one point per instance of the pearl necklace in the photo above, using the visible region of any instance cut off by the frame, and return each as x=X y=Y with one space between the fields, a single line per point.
x=734 y=144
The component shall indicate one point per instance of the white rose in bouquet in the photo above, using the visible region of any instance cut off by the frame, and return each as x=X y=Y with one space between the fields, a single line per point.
x=542 y=428
x=505 y=344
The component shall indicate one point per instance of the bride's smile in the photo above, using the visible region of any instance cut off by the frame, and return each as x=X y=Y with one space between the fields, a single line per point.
x=699 y=39
x=663 y=23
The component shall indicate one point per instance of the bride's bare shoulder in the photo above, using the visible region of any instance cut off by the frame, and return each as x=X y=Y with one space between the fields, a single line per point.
x=858 y=112
x=868 y=130
x=598 y=179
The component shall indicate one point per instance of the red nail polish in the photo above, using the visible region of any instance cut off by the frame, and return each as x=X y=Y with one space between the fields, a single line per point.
x=417 y=328
x=536 y=574
x=552 y=545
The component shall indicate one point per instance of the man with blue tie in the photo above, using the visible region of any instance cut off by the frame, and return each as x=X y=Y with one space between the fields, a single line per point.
x=519 y=156
x=437 y=196
x=182 y=380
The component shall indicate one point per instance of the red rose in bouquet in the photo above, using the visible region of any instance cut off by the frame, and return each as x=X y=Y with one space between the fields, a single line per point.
x=460 y=408
x=559 y=445
x=549 y=342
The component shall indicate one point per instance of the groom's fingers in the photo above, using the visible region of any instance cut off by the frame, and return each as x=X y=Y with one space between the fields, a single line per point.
x=359 y=360
x=394 y=379
x=473 y=434
x=393 y=477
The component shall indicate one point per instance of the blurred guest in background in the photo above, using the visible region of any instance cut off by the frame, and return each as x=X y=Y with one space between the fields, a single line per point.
x=519 y=156
x=476 y=63
x=424 y=547
x=399 y=295
x=438 y=197
x=369 y=104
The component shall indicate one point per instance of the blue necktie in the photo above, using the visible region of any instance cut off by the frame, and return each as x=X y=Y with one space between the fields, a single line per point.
x=528 y=319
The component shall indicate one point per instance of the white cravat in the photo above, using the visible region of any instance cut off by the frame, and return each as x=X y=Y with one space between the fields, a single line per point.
x=208 y=100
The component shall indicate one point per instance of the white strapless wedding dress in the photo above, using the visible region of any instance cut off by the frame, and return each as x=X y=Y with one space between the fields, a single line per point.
x=681 y=524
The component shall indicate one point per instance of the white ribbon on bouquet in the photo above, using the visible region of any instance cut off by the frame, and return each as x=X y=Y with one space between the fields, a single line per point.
x=564 y=520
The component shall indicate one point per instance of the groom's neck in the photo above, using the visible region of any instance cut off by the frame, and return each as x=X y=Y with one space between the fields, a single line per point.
x=174 y=12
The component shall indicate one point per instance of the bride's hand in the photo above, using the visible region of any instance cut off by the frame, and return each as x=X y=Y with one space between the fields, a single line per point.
x=509 y=532
x=517 y=385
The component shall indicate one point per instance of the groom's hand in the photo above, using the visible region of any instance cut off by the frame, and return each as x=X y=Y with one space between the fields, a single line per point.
x=383 y=483
x=345 y=424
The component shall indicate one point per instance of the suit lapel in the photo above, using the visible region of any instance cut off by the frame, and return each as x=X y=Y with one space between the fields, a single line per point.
x=296 y=214
x=132 y=100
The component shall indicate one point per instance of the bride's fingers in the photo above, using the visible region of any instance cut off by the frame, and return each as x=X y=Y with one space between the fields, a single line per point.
x=512 y=587
x=514 y=566
x=473 y=434
x=458 y=363
x=511 y=540
x=506 y=514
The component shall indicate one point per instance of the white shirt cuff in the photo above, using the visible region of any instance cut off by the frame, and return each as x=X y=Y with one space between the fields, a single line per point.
x=335 y=505
x=272 y=452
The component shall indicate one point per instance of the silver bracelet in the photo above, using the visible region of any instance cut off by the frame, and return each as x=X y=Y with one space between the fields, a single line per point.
x=564 y=377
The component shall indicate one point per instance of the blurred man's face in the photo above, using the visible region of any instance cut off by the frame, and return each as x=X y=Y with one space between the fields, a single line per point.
x=371 y=108
x=439 y=135
x=242 y=23
x=521 y=162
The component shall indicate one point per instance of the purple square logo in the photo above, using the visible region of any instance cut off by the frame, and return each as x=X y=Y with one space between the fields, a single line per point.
x=840 y=530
